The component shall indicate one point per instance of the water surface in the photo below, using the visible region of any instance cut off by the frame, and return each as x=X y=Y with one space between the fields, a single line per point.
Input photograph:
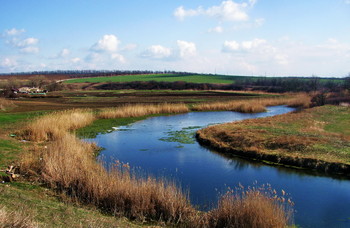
x=165 y=146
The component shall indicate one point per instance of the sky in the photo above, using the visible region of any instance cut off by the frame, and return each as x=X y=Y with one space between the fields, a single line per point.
x=234 y=37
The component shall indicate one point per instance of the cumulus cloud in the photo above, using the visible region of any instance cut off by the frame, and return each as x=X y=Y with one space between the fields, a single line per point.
x=157 y=52
x=75 y=60
x=180 y=12
x=233 y=46
x=217 y=29
x=27 y=42
x=230 y=46
x=30 y=50
x=118 y=57
x=27 y=45
x=227 y=11
x=64 y=53
x=129 y=47
x=108 y=43
x=8 y=62
x=14 y=32
x=257 y=50
x=186 y=49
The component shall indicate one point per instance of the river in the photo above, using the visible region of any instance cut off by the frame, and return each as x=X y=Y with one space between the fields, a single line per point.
x=165 y=147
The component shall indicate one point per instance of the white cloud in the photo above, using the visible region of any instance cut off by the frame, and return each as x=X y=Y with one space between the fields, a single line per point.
x=14 y=32
x=27 y=42
x=248 y=45
x=180 y=13
x=230 y=46
x=157 y=52
x=75 y=60
x=7 y=62
x=257 y=51
x=27 y=45
x=118 y=57
x=229 y=11
x=108 y=43
x=226 y=11
x=64 y=52
x=217 y=29
x=129 y=47
x=29 y=50
x=234 y=46
x=186 y=49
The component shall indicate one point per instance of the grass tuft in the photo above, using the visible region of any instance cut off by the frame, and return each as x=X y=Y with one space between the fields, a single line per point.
x=141 y=110
x=255 y=105
x=15 y=219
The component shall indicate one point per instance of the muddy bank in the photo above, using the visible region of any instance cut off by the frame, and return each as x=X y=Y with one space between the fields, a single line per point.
x=330 y=168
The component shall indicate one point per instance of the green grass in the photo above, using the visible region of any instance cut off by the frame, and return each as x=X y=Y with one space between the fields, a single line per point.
x=320 y=133
x=9 y=150
x=103 y=126
x=161 y=77
x=48 y=210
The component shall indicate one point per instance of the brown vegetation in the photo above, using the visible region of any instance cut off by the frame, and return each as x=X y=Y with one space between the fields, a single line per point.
x=142 y=110
x=15 y=219
x=54 y=126
x=315 y=138
x=4 y=104
x=251 y=208
x=255 y=105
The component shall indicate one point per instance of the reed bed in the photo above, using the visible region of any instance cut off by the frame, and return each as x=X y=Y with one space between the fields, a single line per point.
x=4 y=104
x=54 y=126
x=68 y=165
x=252 y=208
x=15 y=219
x=255 y=105
x=141 y=110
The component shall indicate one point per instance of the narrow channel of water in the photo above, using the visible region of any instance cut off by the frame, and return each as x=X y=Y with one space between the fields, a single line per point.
x=165 y=146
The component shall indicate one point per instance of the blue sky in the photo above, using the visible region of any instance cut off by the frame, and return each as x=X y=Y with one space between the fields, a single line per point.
x=242 y=37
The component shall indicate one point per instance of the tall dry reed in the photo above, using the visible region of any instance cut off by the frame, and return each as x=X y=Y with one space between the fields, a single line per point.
x=252 y=208
x=4 y=104
x=142 y=110
x=68 y=165
x=54 y=126
x=15 y=219
x=255 y=105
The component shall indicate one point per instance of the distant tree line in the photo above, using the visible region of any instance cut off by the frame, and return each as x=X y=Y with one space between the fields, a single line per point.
x=250 y=83
x=93 y=73
x=292 y=84
x=156 y=85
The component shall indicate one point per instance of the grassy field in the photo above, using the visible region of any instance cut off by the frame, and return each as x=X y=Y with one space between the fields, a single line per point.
x=161 y=77
x=320 y=133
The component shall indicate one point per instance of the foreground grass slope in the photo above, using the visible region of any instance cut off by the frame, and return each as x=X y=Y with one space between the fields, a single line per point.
x=312 y=137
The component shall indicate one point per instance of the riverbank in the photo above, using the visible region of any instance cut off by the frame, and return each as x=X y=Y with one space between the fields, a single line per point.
x=316 y=138
x=39 y=141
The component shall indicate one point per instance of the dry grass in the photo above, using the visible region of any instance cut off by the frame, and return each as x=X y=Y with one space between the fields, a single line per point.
x=142 y=110
x=15 y=219
x=68 y=165
x=320 y=133
x=4 y=104
x=252 y=208
x=255 y=105
x=55 y=125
